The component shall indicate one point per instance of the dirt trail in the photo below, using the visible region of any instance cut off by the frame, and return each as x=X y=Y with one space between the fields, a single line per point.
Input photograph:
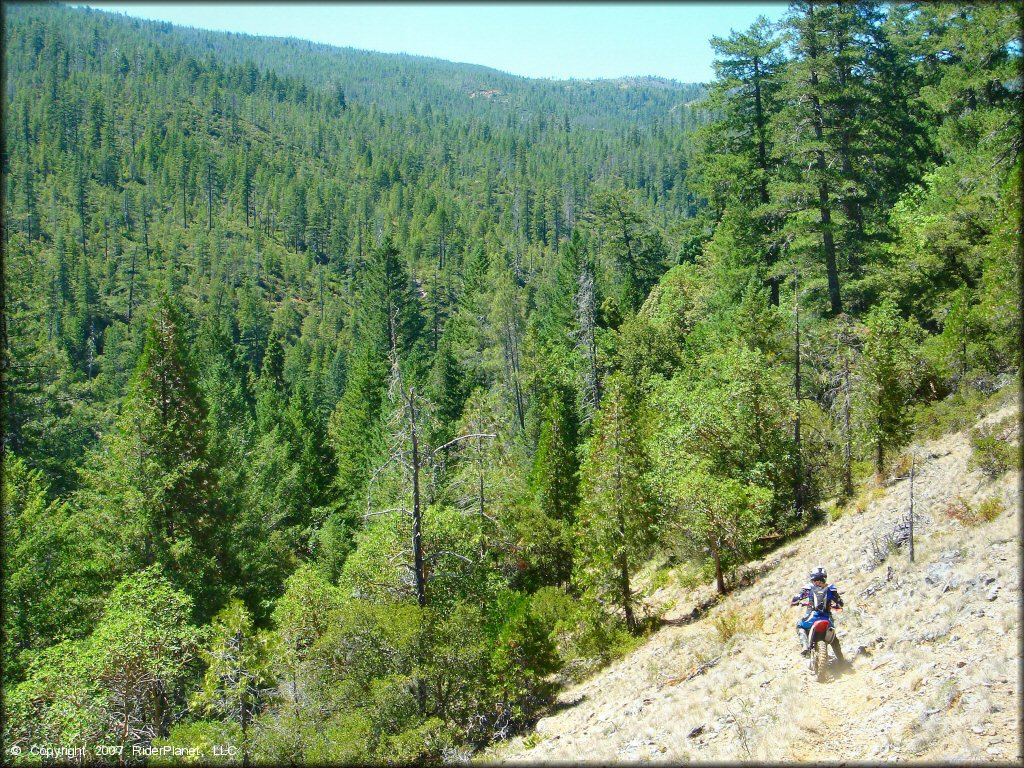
x=924 y=682
x=847 y=698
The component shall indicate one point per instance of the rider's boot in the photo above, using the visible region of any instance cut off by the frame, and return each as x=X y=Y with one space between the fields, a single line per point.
x=838 y=651
x=805 y=646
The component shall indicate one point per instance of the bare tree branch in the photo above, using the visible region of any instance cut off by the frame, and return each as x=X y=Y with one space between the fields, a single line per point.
x=457 y=439
x=434 y=555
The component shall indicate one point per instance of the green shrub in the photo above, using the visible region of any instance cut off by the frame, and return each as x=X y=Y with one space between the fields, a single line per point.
x=76 y=691
x=524 y=655
x=551 y=605
x=586 y=636
x=689 y=576
x=420 y=744
x=991 y=508
x=532 y=740
x=954 y=413
x=660 y=578
x=201 y=736
x=959 y=411
x=991 y=449
x=346 y=739
x=726 y=623
x=731 y=621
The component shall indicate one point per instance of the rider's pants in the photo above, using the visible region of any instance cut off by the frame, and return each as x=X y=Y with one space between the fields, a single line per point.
x=804 y=628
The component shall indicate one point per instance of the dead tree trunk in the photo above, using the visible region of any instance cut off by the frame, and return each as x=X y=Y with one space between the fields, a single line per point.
x=131 y=286
x=209 y=196
x=417 y=535
x=798 y=482
x=913 y=461
x=847 y=432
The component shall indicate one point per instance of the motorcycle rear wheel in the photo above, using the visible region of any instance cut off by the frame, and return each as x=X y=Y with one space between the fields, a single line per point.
x=821 y=660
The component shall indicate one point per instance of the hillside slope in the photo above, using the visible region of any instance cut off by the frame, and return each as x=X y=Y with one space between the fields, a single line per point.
x=935 y=648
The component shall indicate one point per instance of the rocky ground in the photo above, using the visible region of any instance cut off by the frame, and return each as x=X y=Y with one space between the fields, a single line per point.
x=935 y=647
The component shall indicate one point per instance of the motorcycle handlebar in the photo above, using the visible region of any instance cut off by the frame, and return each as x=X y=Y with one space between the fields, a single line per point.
x=805 y=604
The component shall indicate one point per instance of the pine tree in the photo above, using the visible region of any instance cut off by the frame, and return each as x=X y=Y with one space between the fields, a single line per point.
x=633 y=248
x=556 y=462
x=238 y=679
x=446 y=387
x=814 y=132
x=354 y=425
x=736 y=161
x=153 y=481
x=390 y=309
x=886 y=378
x=558 y=316
x=618 y=517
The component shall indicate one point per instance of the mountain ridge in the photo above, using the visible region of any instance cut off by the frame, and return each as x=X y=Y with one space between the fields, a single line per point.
x=291 y=40
x=403 y=79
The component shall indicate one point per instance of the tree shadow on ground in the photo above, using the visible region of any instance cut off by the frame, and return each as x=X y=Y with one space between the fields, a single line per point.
x=694 y=615
x=562 y=706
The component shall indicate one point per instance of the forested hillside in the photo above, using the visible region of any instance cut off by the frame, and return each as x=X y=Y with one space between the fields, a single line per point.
x=346 y=394
x=721 y=681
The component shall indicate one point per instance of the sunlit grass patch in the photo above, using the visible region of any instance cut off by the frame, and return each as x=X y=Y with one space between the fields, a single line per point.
x=688 y=575
x=963 y=512
x=900 y=467
x=991 y=508
x=729 y=621
x=866 y=498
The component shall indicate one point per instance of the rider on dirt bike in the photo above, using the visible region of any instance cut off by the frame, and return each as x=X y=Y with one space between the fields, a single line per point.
x=818 y=579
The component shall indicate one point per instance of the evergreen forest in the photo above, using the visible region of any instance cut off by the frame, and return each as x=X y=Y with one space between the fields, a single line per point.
x=353 y=401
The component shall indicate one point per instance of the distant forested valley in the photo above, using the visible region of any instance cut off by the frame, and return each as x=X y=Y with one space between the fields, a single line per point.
x=354 y=402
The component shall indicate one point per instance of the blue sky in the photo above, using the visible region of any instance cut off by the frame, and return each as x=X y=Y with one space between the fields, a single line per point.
x=559 y=40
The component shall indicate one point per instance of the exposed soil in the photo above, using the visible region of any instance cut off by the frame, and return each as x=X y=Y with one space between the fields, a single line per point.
x=933 y=648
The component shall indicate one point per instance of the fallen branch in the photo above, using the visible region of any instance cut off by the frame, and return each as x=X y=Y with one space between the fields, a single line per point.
x=700 y=670
x=878 y=585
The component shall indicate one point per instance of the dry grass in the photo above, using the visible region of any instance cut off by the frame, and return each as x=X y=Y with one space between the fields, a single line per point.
x=733 y=620
x=991 y=508
x=927 y=732
x=866 y=498
x=908 y=691
x=951 y=698
x=901 y=466
x=960 y=510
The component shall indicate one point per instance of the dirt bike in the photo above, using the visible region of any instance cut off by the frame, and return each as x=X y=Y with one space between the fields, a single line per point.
x=820 y=637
